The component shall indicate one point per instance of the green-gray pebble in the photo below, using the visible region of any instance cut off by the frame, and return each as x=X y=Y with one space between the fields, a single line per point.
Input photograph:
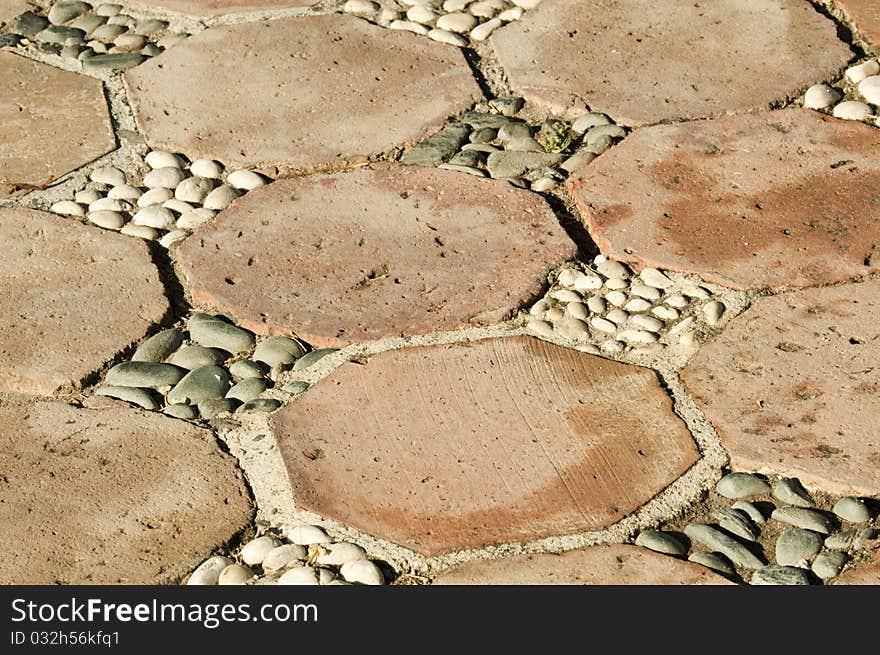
x=780 y=575
x=158 y=347
x=89 y=23
x=508 y=105
x=791 y=491
x=10 y=40
x=205 y=383
x=151 y=50
x=503 y=164
x=751 y=509
x=311 y=358
x=181 y=410
x=145 y=398
x=108 y=9
x=587 y=121
x=852 y=509
x=150 y=26
x=467 y=158
x=295 y=387
x=828 y=564
x=436 y=149
x=192 y=357
x=483 y=135
x=715 y=539
x=144 y=374
x=278 y=351
x=661 y=542
x=215 y=333
x=118 y=61
x=795 y=546
x=248 y=389
x=737 y=522
x=245 y=368
x=802 y=517
x=714 y=561
x=213 y=407
x=260 y=405
x=477 y=119
x=741 y=485
x=67 y=10
x=30 y=24
x=59 y=34
x=72 y=51
x=850 y=539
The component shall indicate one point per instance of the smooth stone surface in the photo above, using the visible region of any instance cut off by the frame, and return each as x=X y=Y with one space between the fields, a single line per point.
x=852 y=509
x=221 y=197
x=154 y=216
x=278 y=351
x=801 y=517
x=438 y=147
x=109 y=220
x=362 y=571
x=728 y=546
x=307 y=535
x=661 y=542
x=780 y=575
x=853 y=110
x=296 y=387
x=300 y=575
x=737 y=523
x=283 y=556
x=213 y=407
x=235 y=574
x=205 y=383
x=192 y=357
x=158 y=347
x=791 y=491
x=244 y=368
x=828 y=565
x=216 y=333
x=505 y=164
x=852 y=539
x=144 y=398
x=715 y=561
x=797 y=547
x=751 y=509
x=821 y=96
x=208 y=572
x=144 y=374
x=341 y=553
x=181 y=411
x=256 y=550
x=248 y=389
x=115 y=61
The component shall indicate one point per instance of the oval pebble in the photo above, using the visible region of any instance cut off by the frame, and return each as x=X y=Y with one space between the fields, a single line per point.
x=306 y=535
x=666 y=313
x=645 y=292
x=161 y=159
x=661 y=542
x=802 y=517
x=296 y=386
x=597 y=305
x=248 y=389
x=109 y=175
x=256 y=550
x=780 y=575
x=140 y=231
x=283 y=556
x=194 y=189
x=797 y=547
x=193 y=357
x=852 y=509
x=360 y=6
x=725 y=544
x=677 y=301
x=857 y=73
x=246 y=369
x=654 y=278
x=714 y=561
x=647 y=323
x=751 y=509
x=456 y=22
x=852 y=110
x=737 y=523
x=109 y=220
x=109 y=204
x=124 y=192
x=208 y=572
x=484 y=31
x=603 y=325
x=141 y=397
x=144 y=374
x=129 y=42
x=577 y=310
x=155 y=216
x=821 y=96
x=566 y=295
x=409 y=26
x=573 y=328
x=260 y=405
x=299 y=575
x=616 y=298
x=514 y=13
x=181 y=411
x=235 y=574
x=174 y=236
x=544 y=328
x=278 y=351
x=791 y=491
x=616 y=284
x=829 y=564
x=713 y=311
x=312 y=358
x=869 y=89
x=617 y=316
x=155 y=196
x=585 y=282
x=212 y=332
x=340 y=554
x=421 y=14
x=247 y=180
x=850 y=539
x=207 y=168
x=213 y=407
x=68 y=208
x=445 y=36
x=741 y=485
x=192 y=219
x=205 y=383
x=362 y=571
x=167 y=177
x=637 y=305
x=637 y=337
x=612 y=269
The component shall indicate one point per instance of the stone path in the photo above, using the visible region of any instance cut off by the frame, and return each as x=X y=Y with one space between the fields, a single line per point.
x=439 y=292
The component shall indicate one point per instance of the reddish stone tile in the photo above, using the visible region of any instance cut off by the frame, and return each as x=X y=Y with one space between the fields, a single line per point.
x=613 y=564
x=72 y=296
x=12 y=9
x=768 y=200
x=442 y=448
x=272 y=93
x=218 y=7
x=866 y=573
x=865 y=16
x=678 y=60
x=792 y=387
x=51 y=122
x=375 y=253
x=104 y=496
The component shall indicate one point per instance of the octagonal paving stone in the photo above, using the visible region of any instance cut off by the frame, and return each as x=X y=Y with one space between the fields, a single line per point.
x=219 y=7
x=792 y=386
x=112 y=495
x=371 y=253
x=71 y=297
x=298 y=94
x=681 y=59
x=441 y=448
x=865 y=17
x=769 y=200
x=611 y=564
x=51 y=122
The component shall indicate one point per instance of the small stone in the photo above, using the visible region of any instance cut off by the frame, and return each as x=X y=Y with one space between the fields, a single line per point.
x=208 y=572
x=307 y=535
x=613 y=346
x=326 y=576
x=151 y=50
x=574 y=328
x=311 y=358
x=780 y=575
x=283 y=556
x=150 y=26
x=235 y=574
x=214 y=407
x=852 y=110
x=714 y=561
x=577 y=310
x=637 y=337
x=213 y=332
x=193 y=357
x=108 y=9
x=616 y=284
x=29 y=24
x=616 y=298
x=507 y=105
x=72 y=51
x=677 y=301
x=741 y=485
x=647 y=323
x=172 y=237
x=145 y=398
x=459 y=22
x=64 y=12
x=124 y=192
x=205 y=383
x=60 y=35
x=808 y=519
x=167 y=177
x=612 y=269
x=194 y=189
x=295 y=387
x=797 y=547
x=637 y=305
x=821 y=96
x=683 y=325
x=192 y=219
x=140 y=231
x=156 y=196
x=737 y=523
x=182 y=411
x=617 y=316
x=751 y=509
x=256 y=550
x=144 y=374
x=247 y=180
x=421 y=14
x=513 y=130
x=88 y=23
x=603 y=325
x=577 y=161
x=666 y=313
x=246 y=369
x=661 y=542
x=118 y=61
x=790 y=490
x=260 y=405
x=107 y=32
x=360 y=7
x=712 y=311
x=470 y=170
x=717 y=540
x=515 y=13
x=852 y=509
x=445 y=36
x=554 y=314
x=299 y=575
x=248 y=389
x=828 y=565
x=178 y=206
x=129 y=42
x=857 y=73
x=853 y=539
x=158 y=347
x=340 y=554
x=544 y=184
x=171 y=40
x=109 y=175
x=654 y=278
x=68 y=208
x=207 y=168
x=869 y=89
x=155 y=216
x=409 y=26
x=278 y=351
x=362 y=571
x=123 y=20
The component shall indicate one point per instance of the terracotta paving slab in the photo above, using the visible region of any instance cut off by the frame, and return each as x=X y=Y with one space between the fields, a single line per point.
x=51 y=122
x=678 y=60
x=288 y=100
x=465 y=445
x=864 y=574
x=792 y=387
x=613 y=564
x=776 y=199
x=218 y=7
x=11 y=9
x=375 y=253
x=865 y=16
x=72 y=296
x=104 y=496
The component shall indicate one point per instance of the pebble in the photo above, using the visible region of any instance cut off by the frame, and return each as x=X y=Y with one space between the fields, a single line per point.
x=828 y=565
x=68 y=208
x=801 y=517
x=144 y=374
x=666 y=313
x=554 y=314
x=439 y=147
x=574 y=328
x=246 y=369
x=295 y=387
x=712 y=311
x=326 y=576
x=179 y=206
x=613 y=346
x=362 y=571
x=647 y=323
x=129 y=42
x=109 y=204
x=852 y=110
x=193 y=357
x=248 y=389
x=869 y=89
x=484 y=31
x=192 y=219
x=741 y=485
x=603 y=324
x=577 y=310
x=140 y=397
x=456 y=22
x=780 y=575
x=526 y=4
x=155 y=196
x=714 y=561
x=612 y=269
x=150 y=26
x=360 y=6
x=109 y=175
x=448 y=5
x=155 y=216
x=421 y=14
x=124 y=192
x=616 y=284
x=311 y=358
x=683 y=325
x=340 y=554
x=64 y=12
x=637 y=337
x=29 y=24
x=167 y=177
x=409 y=26
x=850 y=539
x=208 y=572
x=207 y=168
x=577 y=161
x=122 y=20
x=738 y=523
x=616 y=298
x=307 y=535
x=654 y=278
x=140 y=231
x=544 y=328
x=715 y=539
x=585 y=282
x=857 y=73
x=514 y=13
x=445 y=36
x=59 y=34
x=213 y=407
x=797 y=547
x=661 y=542
x=247 y=180
x=299 y=575
x=204 y=383
x=790 y=490
x=181 y=411
x=108 y=9
x=108 y=32
x=637 y=305
x=852 y=509
x=213 y=332
x=508 y=105
x=116 y=61
x=750 y=509
x=261 y=405
x=617 y=316
x=88 y=23
x=194 y=189
x=278 y=351
x=283 y=556
x=235 y=574
x=821 y=96
x=256 y=550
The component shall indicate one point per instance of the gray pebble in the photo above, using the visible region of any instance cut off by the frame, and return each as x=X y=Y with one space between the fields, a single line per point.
x=470 y=170
x=194 y=189
x=144 y=374
x=790 y=490
x=715 y=539
x=751 y=509
x=30 y=24
x=741 y=485
x=248 y=389
x=107 y=33
x=801 y=517
x=504 y=164
x=599 y=145
x=192 y=357
x=852 y=509
x=515 y=129
x=212 y=332
x=167 y=177
x=829 y=564
x=278 y=351
x=205 y=383
x=780 y=575
x=587 y=121
x=59 y=34
x=436 y=149
x=295 y=387
x=213 y=407
x=737 y=522
x=66 y=11
x=507 y=105
x=661 y=542
x=714 y=561
x=120 y=61
x=797 y=547
x=609 y=130
x=89 y=23
x=850 y=539
x=158 y=347
x=145 y=398
x=171 y=40
x=182 y=411
x=311 y=358
x=577 y=160
x=244 y=368
x=478 y=119
x=483 y=135
x=150 y=26
x=471 y=158
x=261 y=405
x=108 y=9
x=151 y=50
x=72 y=51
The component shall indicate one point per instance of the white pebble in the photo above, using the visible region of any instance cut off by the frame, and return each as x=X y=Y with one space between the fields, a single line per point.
x=194 y=189
x=612 y=346
x=192 y=219
x=611 y=268
x=526 y=4
x=109 y=204
x=644 y=291
x=587 y=282
x=452 y=5
x=421 y=14
x=821 y=96
x=445 y=36
x=306 y=535
x=616 y=284
x=256 y=550
x=457 y=22
x=677 y=300
x=125 y=192
x=360 y=7
x=167 y=176
x=855 y=74
x=247 y=180
x=341 y=553
x=140 y=231
x=109 y=220
x=208 y=572
x=566 y=295
x=155 y=197
x=508 y=15
x=654 y=278
x=713 y=312
x=86 y=196
x=554 y=314
x=869 y=89
x=409 y=26
x=299 y=575
x=483 y=9
x=603 y=325
x=482 y=32
x=68 y=208
x=541 y=184
x=577 y=310
x=616 y=298
x=283 y=556
x=637 y=305
x=682 y=325
x=109 y=175
x=567 y=276
x=617 y=316
x=637 y=337
x=326 y=576
x=852 y=110
x=160 y=159
x=544 y=328
x=206 y=168
x=574 y=328
x=172 y=237
x=362 y=571
x=221 y=197
x=597 y=305
x=178 y=206
x=647 y=323
x=155 y=216
x=541 y=306
x=666 y=313
x=235 y=574
x=696 y=292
